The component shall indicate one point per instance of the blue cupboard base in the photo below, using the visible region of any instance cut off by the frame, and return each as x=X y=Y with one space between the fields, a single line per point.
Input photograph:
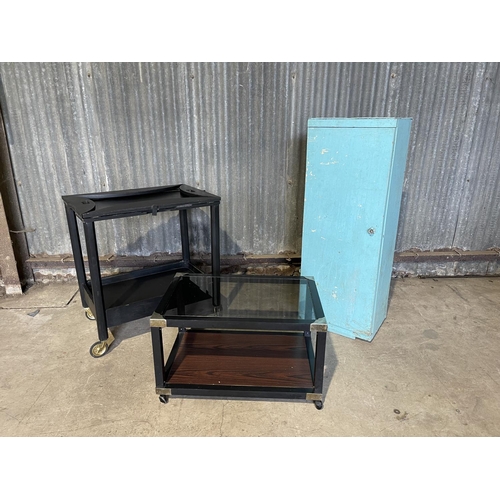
x=350 y=333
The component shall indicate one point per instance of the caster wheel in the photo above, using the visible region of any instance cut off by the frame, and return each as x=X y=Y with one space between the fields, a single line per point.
x=98 y=349
x=318 y=405
x=163 y=399
x=89 y=315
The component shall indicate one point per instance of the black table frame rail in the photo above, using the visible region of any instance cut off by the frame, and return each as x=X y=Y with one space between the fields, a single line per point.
x=299 y=330
x=117 y=299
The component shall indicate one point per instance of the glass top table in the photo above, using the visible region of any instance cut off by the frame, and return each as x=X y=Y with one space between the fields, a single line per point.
x=242 y=301
x=240 y=336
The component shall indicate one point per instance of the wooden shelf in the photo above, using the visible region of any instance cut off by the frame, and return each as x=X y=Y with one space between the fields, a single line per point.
x=244 y=359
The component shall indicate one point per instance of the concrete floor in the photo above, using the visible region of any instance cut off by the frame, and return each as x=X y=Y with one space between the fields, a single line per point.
x=432 y=370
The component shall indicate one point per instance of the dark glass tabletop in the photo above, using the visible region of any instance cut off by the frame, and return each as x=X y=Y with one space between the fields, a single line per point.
x=242 y=301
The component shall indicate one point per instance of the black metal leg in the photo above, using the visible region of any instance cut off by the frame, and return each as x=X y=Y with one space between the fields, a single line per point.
x=95 y=280
x=215 y=248
x=173 y=352
x=310 y=352
x=77 y=252
x=215 y=239
x=186 y=254
x=319 y=363
x=158 y=356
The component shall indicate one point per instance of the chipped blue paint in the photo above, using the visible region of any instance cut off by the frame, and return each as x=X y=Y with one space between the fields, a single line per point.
x=351 y=213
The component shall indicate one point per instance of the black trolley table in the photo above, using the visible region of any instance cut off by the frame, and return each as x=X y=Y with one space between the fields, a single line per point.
x=240 y=336
x=117 y=299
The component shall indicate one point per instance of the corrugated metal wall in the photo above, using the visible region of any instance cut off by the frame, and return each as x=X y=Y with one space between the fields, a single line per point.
x=239 y=130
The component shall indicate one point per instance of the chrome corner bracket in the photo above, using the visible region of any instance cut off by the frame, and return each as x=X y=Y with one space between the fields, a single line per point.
x=158 y=321
x=313 y=396
x=164 y=392
x=320 y=325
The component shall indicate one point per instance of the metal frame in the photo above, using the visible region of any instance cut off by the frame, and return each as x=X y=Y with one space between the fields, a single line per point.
x=284 y=327
x=86 y=208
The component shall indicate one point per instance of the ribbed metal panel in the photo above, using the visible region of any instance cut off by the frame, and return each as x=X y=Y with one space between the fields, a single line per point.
x=239 y=130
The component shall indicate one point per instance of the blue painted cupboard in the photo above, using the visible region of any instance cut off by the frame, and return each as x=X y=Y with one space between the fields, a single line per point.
x=354 y=181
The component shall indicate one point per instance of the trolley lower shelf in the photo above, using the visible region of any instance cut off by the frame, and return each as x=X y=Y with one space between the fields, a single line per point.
x=240 y=360
x=134 y=295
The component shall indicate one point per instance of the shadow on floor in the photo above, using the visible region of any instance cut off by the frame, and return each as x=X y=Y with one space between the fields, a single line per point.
x=128 y=331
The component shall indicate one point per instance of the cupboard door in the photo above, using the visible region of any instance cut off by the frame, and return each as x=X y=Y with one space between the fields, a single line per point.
x=348 y=184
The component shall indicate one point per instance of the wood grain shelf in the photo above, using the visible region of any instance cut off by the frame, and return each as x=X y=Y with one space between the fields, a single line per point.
x=241 y=359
